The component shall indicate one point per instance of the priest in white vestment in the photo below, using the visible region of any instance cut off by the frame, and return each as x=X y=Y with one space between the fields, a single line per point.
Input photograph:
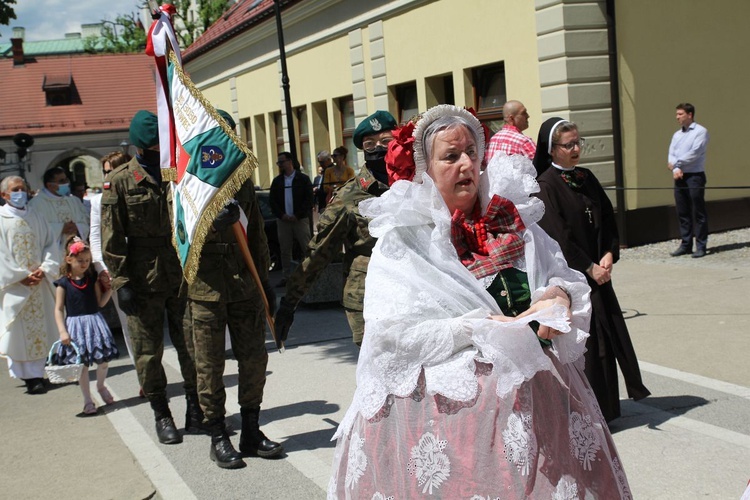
x=65 y=214
x=27 y=298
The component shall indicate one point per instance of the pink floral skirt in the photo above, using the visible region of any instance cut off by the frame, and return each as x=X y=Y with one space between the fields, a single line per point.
x=547 y=439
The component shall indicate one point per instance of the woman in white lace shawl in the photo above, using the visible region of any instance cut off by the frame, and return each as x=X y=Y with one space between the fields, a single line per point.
x=469 y=382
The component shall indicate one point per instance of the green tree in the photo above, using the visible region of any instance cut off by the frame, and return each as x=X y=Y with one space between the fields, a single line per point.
x=125 y=34
x=6 y=11
x=188 y=30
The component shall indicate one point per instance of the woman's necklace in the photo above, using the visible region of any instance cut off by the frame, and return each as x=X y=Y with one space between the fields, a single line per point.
x=82 y=285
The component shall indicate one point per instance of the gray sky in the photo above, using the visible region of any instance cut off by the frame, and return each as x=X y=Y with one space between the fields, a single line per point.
x=51 y=19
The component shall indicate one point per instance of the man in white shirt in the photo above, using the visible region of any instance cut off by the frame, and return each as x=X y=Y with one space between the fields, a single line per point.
x=27 y=297
x=687 y=162
x=291 y=198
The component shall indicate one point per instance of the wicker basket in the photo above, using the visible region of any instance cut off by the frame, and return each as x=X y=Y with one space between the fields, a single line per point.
x=63 y=374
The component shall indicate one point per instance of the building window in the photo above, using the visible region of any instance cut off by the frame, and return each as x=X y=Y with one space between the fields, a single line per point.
x=439 y=90
x=304 y=139
x=279 y=131
x=489 y=94
x=60 y=90
x=346 y=107
x=406 y=99
x=247 y=135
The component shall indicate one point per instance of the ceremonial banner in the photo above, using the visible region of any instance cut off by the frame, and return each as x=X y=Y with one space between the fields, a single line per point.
x=206 y=160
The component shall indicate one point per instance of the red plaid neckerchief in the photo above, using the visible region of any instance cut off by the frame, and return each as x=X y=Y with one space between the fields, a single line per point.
x=503 y=246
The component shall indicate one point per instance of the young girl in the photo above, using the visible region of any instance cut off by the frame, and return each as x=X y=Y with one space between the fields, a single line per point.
x=79 y=296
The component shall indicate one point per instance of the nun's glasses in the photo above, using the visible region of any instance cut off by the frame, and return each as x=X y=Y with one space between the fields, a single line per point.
x=568 y=146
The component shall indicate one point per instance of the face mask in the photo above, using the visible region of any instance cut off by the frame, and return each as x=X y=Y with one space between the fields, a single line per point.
x=18 y=199
x=151 y=158
x=63 y=189
x=376 y=163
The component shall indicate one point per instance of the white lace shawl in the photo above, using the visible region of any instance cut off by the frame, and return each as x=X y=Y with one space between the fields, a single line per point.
x=424 y=309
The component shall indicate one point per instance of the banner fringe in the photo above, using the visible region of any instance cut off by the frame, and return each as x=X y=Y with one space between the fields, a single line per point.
x=228 y=189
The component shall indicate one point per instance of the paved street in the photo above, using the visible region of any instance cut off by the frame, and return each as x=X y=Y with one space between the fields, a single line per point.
x=689 y=321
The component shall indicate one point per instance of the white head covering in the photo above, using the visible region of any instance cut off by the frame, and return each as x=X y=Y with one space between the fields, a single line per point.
x=430 y=116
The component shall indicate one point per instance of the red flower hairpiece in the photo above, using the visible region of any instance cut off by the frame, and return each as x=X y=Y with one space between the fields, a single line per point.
x=77 y=247
x=399 y=160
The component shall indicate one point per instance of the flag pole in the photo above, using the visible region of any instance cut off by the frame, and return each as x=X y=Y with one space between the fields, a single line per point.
x=239 y=234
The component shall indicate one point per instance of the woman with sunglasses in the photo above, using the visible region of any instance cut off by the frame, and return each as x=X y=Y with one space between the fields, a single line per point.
x=579 y=215
x=336 y=176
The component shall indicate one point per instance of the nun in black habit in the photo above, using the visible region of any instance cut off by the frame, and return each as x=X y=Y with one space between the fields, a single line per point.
x=579 y=215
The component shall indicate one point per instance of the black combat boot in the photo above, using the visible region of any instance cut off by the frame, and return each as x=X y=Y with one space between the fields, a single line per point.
x=252 y=440
x=194 y=416
x=222 y=452
x=165 y=428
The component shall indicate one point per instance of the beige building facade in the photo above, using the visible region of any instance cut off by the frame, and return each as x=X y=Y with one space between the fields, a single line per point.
x=616 y=67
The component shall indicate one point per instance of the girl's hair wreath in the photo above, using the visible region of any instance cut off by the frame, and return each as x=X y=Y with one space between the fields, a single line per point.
x=399 y=160
x=77 y=246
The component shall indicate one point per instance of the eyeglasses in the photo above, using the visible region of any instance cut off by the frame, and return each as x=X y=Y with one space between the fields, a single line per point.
x=281 y=162
x=370 y=144
x=568 y=146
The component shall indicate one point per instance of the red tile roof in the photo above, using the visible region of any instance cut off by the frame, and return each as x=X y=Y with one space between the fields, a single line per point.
x=239 y=18
x=111 y=89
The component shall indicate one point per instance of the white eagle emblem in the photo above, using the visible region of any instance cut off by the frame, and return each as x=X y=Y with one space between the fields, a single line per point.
x=375 y=124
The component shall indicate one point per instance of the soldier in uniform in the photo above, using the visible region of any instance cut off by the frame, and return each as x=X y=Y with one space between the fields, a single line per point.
x=146 y=274
x=341 y=224
x=225 y=294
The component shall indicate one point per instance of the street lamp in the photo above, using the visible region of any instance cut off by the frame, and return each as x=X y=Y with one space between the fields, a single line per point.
x=285 y=82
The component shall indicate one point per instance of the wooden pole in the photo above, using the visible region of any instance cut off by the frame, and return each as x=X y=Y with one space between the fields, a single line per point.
x=239 y=234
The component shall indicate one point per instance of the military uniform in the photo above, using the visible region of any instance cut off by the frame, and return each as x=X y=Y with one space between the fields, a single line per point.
x=341 y=224
x=224 y=293
x=137 y=249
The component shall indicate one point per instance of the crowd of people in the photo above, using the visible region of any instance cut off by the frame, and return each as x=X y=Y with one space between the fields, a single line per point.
x=65 y=263
x=478 y=285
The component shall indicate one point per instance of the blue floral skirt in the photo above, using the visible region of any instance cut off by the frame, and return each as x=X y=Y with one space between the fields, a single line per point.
x=93 y=338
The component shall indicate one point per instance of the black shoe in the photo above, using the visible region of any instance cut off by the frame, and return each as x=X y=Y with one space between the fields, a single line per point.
x=194 y=416
x=167 y=431
x=699 y=253
x=35 y=386
x=252 y=440
x=223 y=453
x=680 y=251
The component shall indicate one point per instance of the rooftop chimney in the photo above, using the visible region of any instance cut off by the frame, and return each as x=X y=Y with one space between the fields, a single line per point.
x=17 y=51
x=19 y=32
x=91 y=29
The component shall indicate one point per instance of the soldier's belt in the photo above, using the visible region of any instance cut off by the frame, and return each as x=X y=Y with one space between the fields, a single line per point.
x=219 y=248
x=157 y=241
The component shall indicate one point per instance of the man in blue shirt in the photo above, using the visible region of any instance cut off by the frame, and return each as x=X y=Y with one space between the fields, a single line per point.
x=687 y=162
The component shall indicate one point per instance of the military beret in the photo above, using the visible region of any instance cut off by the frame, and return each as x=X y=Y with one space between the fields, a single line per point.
x=144 y=130
x=377 y=122
x=227 y=118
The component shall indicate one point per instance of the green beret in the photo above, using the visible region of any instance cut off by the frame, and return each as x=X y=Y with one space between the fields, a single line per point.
x=227 y=118
x=144 y=130
x=377 y=122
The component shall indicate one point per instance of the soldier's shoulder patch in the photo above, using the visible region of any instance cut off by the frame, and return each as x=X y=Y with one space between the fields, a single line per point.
x=107 y=185
x=137 y=176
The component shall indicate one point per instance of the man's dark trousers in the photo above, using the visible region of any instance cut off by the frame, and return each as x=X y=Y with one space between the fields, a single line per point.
x=691 y=210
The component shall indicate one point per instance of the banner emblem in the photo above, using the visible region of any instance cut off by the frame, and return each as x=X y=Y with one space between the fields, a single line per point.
x=211 y=156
